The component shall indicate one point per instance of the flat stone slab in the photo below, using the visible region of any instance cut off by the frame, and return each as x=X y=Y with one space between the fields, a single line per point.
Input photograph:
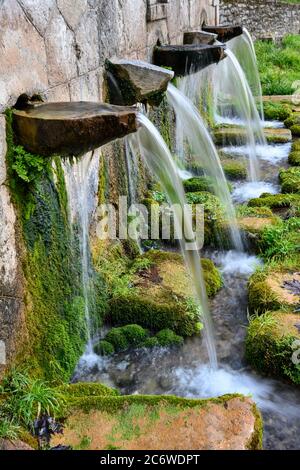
x=226 y=423
x=71 y=128
x=186 y=59
x=224 y=32
x=290 y=99
x=134 y=81
x=234 y=135
x=199 y=37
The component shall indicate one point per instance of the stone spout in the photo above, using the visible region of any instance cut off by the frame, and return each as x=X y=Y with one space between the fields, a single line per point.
x=186 y=59
x=133 y=81
x=68 y=129
x=224 y=32
x=199 y=37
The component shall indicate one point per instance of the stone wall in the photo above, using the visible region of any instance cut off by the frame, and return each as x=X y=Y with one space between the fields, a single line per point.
x=263 y=18
x=57 y=48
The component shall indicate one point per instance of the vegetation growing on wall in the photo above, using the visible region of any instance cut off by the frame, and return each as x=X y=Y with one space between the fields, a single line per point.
x=54 y=303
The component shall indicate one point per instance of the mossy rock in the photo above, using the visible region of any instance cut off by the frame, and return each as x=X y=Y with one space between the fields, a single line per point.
x=212 y=277
x=255 y=225
x=117 y=338
x=168 y=338
x=269 y=289
x=281 y=240
x=104 y=348
x=276 y=111
x=161 y=297
x=86 y=389
x=295 y=130
x=160 y=422
x=238 y=135
x=289 y=203
x=215 y=232
x=234 y=170
x=290 y=180
x=272 y=343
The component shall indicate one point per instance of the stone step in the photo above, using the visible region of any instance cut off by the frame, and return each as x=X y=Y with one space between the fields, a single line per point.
x=238 y=135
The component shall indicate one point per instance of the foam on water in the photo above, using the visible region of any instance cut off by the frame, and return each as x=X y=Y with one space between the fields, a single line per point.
x=235 y=121
x=184 y=174
x=249 y=190
x=234 y=262
x=271 y=153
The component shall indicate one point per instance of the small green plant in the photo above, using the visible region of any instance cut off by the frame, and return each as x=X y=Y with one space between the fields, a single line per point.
x=26 y=165
x=281 y=240
x=168 y=338
x=26 y=398
x=8 y=428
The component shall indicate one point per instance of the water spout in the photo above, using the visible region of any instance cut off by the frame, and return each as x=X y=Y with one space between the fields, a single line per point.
x=205 y=152
x=160 y=162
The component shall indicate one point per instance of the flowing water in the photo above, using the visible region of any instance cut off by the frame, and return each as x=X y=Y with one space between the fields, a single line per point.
x=80 y=184
x=204 y=151
x=160 y=162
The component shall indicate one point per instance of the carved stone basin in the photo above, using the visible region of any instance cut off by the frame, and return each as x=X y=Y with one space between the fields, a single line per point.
x=186 y=59
x=71 y=128
x=134 y=81
x=199 y=37
x=225 y=33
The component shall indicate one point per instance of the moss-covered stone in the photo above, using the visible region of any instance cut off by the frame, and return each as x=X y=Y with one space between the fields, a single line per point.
x=198 y=183
x=288 y=203
x=104 y=348
x=212 y=277
x=276 y=111
x=86 y=389
x=214 y=216
x=292 y=120
x=294 y=158
x=269 y=289
x=281 y=240
x=270 y=344
x=295 y=130
x=290 y=180
x=168 y=338
x=143 y=422
x=234 y=170
x=237 y=135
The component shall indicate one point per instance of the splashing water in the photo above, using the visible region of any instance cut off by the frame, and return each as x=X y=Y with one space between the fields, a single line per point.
x=205 y=152
x=79 y=184
x=244 y=50
x=159 y=160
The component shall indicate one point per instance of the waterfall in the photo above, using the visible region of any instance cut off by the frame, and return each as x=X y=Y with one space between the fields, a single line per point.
x=204 y=150
x=160 y=162
x=233 y=96
x=80 y=184
x=244 y=50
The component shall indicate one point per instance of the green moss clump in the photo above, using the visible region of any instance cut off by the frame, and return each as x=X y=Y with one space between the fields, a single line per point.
x=290 y=180
x=266 y=291
x=118 y=339
x=269 y=345
x=293 y=119
x=86 y=389
x=104 y=348
x=294 y=158
x=281 y=240
x=295 y=130
x=277 y=201
x=212 y=277
x=151 y=342
x=168 y=338
x=213 y=216
x=199 y=183
x=234 y=170
x=276 y=111
x=257 y=212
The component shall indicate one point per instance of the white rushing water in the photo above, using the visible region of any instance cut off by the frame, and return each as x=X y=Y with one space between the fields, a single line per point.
x=234 y=262
x=204 y=151
x=81 y=186
x=273 y=154
x=160 y=162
